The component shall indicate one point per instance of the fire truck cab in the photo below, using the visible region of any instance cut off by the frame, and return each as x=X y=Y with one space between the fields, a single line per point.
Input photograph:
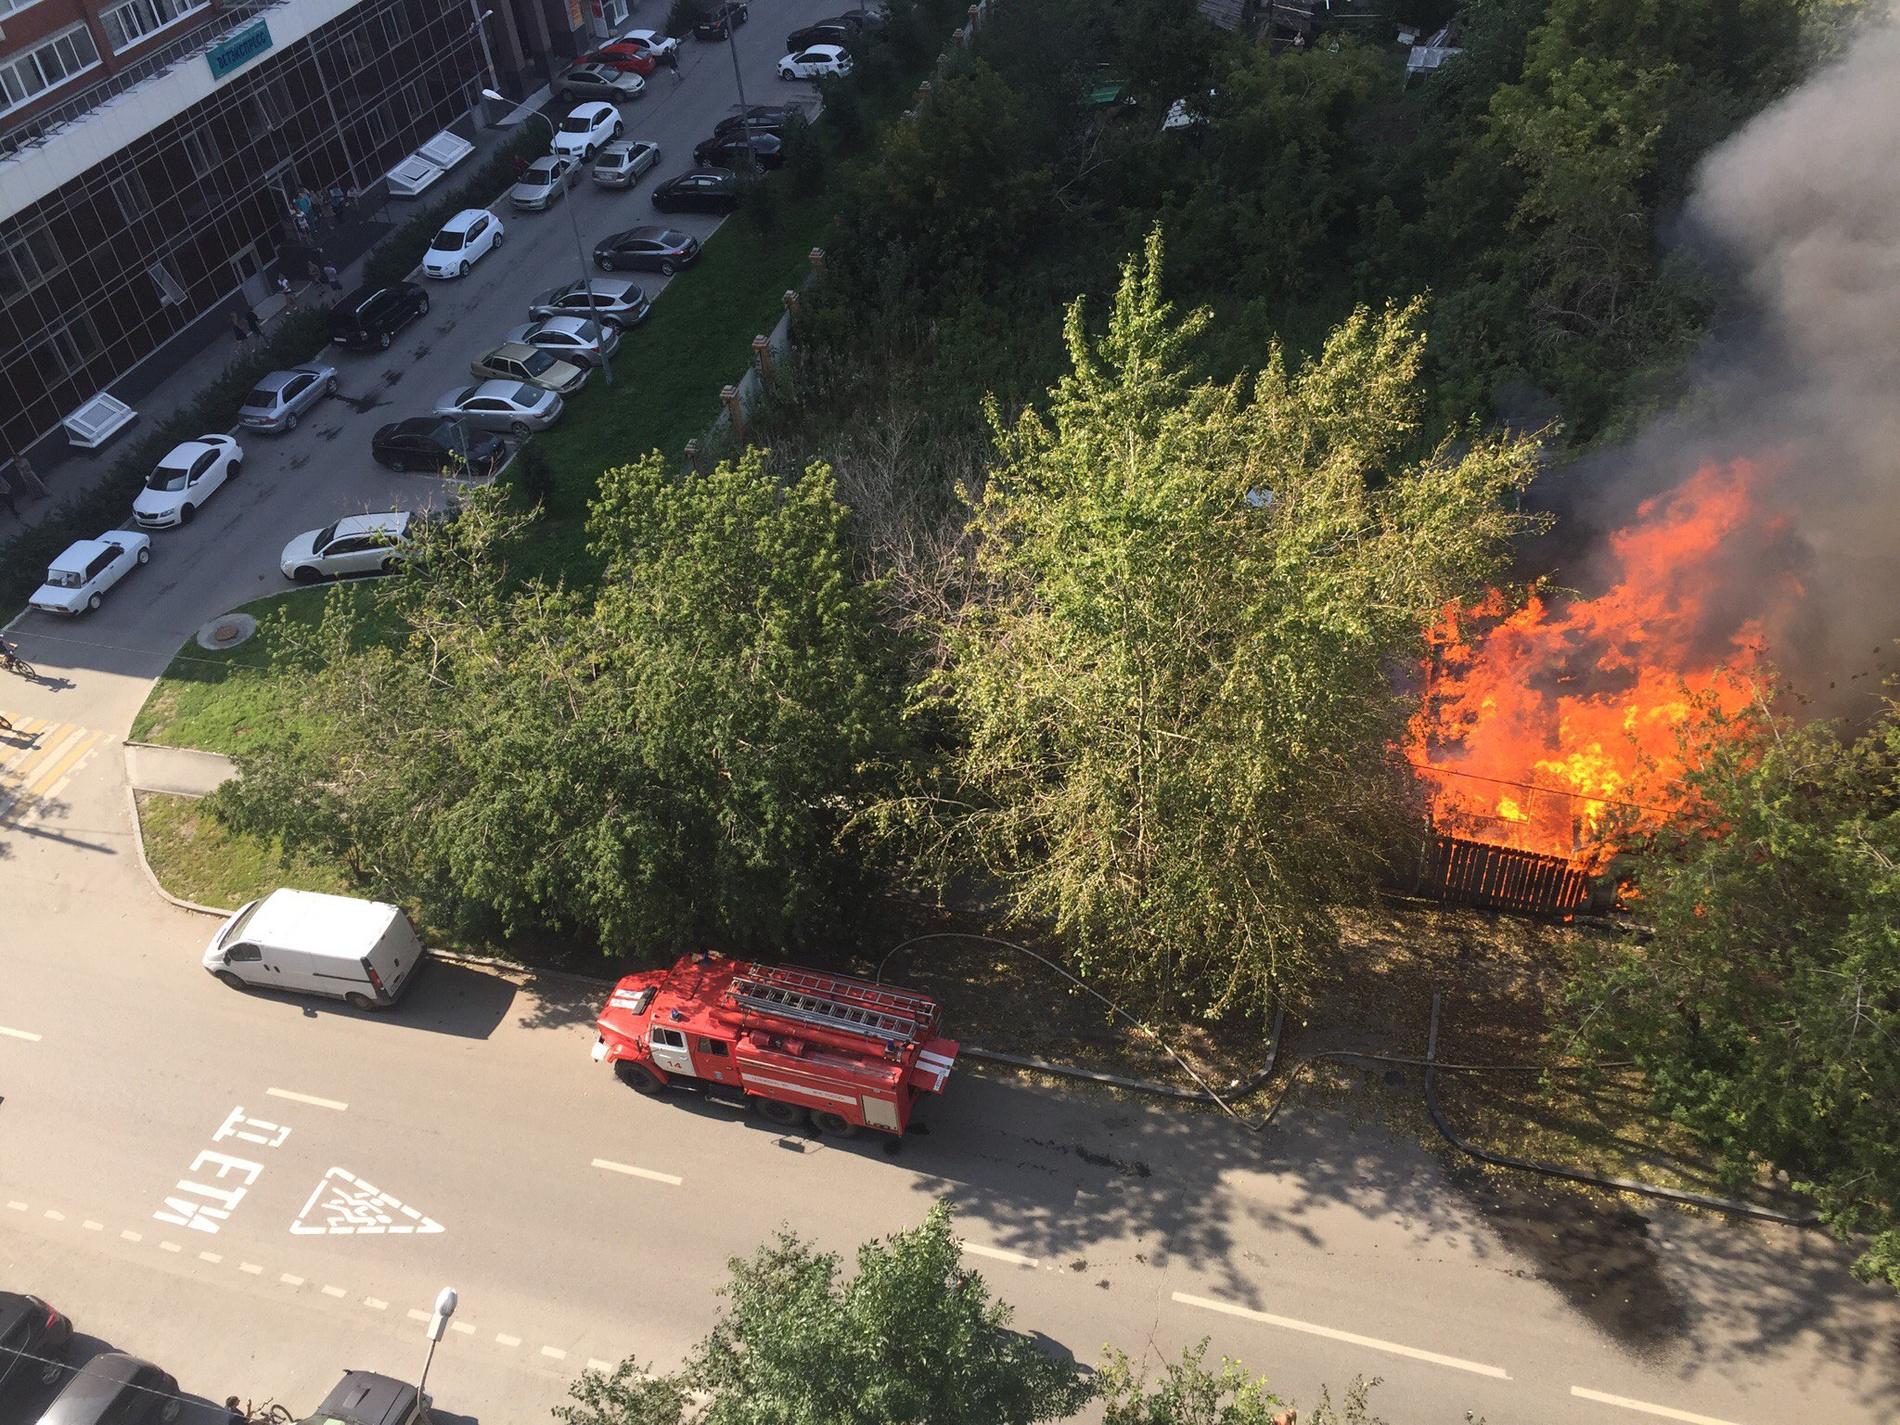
x=844 y=1052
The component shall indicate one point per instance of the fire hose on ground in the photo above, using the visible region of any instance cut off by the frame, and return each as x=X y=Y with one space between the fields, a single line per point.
x=1248 y=1083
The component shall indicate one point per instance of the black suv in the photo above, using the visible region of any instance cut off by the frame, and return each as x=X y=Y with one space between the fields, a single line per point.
x=32 y=1337
x=116 y=1389
x=722 y=21
x=827 y=32
x=371 y=316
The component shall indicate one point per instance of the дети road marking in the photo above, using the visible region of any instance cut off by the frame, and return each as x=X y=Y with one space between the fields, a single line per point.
x=1371 y=1343
x=1688 y=1416
x=634 y=1172
x=25 y=1034
x=309 y=1099
x=998 y=1254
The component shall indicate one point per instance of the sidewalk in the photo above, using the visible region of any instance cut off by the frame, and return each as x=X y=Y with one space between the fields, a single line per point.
x=69 y=471
x=183 y=771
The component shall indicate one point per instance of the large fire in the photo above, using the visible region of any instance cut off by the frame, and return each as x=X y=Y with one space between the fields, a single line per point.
x=1559 y=726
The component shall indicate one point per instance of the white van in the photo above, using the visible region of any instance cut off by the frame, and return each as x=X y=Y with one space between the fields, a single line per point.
x=364 y=952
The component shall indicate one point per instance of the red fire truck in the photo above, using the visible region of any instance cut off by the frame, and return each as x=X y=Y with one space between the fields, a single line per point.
x=847 y=1053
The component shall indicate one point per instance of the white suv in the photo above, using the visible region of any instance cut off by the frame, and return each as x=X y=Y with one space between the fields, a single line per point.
x=589 y=128
x=465 y=239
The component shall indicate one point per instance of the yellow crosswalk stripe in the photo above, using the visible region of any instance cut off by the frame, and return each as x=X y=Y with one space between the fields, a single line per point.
x=65 y=765
x=36 y=756
x=49 y=743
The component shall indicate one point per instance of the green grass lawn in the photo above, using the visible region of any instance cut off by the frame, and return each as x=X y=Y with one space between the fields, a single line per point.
x=197 y=859
x=219 y=701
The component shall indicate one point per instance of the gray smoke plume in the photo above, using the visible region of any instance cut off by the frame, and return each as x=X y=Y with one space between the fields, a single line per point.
x=1800 y=212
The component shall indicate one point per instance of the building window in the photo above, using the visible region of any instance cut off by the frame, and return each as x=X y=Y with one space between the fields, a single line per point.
x=134 y=199
x=200 y=152
x=28 y=257
x=128 y=23
x=376 y=121
x=72 y=345
x=52 y=61
x=9 y=7
x=170 y=290
x=395 y=25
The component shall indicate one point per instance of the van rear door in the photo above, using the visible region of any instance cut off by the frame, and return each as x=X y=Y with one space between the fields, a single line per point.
x=394 y=957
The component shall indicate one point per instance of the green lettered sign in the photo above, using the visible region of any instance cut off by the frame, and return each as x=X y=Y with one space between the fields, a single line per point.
x=240 y=49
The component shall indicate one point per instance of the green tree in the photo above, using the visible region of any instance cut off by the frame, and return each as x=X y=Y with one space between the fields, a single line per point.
x=680 y=756
x=1764 y=1004
x=1190 y=1394
x=1176 y=687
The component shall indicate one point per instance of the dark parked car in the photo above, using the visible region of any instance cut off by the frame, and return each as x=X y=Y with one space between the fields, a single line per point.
x=432 y=443
x=371 y=316
x=701 y=190
x=826 y=32
x=647 y=249
x=116 y=1389
x=365 y=1398
x=720 y=22
x=32 y=1337
x=763 y=118
x=729 y=150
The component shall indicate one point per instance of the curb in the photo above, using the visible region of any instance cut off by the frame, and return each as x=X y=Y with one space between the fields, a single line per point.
x=138 y=843
x=1578 y=1175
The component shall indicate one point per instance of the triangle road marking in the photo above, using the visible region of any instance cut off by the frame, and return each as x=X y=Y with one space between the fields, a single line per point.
x=343 y=1205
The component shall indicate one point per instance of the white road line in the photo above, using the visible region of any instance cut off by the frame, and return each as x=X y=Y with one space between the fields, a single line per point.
x=92 y=1226
x=288 y=1280
x=252 y=1267
x=1689 y=1416
x=52 y=1216
x=334 y=1291
x=554 y=1353
x=1371 y=1343
x=130 y=1235
x=25 y=1034
x=998 y=1254
x=211 y=1257
x=170 y=1247
x=594 y=1363
x=313 y=1101
x=375 y=1303
x=17 y=1206
x=415 y=1315
x=501 y=1340
x=634 y=1172
x=463 y=1327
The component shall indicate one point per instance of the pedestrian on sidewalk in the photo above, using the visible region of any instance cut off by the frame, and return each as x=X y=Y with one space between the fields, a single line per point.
x=350 y=199
x=336 y=204
x=29 y=477
x=332 y=277
x=673 y=65
x=283 y=290
x=241 y=330
x=251 y=321
x=6 y=498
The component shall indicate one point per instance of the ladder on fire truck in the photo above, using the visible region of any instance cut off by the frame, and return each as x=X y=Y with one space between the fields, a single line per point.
x=836 y=1004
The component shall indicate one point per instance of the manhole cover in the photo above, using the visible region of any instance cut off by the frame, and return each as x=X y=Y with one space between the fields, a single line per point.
x=226 y=632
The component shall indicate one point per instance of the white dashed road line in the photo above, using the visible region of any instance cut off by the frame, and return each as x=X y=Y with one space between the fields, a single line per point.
x=309 y=1099
x=25 y=1034
x=634 y=1172
x=999 y=1254
x=415 y=1315
x=1371 y=1343
x=463 y=1327
x=594 y=1363
x=375 y=1303
x=501 y=1340
x=334 y=1291
x=554 y=1353
x=1643 y=1406
x=288 y=1280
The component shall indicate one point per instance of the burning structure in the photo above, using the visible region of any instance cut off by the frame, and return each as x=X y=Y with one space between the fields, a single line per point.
x=1761 y=523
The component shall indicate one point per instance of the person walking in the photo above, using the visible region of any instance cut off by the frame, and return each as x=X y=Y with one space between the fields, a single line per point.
x=333 y=277
x=283 y=290
x=673 y=65
x=29 y=477
x=241 y=329
x=336 y=204
x=250 y=320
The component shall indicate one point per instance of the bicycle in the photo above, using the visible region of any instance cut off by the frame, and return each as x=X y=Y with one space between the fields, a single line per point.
x=12 y=662
x=269 y=1413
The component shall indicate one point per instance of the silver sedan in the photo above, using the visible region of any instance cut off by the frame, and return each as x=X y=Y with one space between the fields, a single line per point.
x=280 y=398
x=506 y=406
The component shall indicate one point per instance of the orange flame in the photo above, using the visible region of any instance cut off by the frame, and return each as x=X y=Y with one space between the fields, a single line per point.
x=1558 y=726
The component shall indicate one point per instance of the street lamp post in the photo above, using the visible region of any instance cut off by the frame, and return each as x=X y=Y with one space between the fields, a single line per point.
x=745 y=113
x=444 y=1308
x=580 y=252
x=481 y=33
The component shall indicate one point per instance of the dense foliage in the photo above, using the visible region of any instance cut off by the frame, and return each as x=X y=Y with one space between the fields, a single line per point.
x=1188 y=1393
x=677 y=754
x=1174 y=688
x=1764 y=1006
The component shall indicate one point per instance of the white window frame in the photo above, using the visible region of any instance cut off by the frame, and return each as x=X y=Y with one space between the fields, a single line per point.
x=130 y=193
x=198 y=146
x=75 y=363
x=13 y=7
x=154 y=15
x=171 y=292
x=14 y=69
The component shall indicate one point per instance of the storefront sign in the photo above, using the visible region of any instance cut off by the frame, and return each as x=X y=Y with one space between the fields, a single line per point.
x=239 y=50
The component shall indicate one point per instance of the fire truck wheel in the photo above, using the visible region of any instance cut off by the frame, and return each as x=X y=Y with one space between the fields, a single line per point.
x=637 y=1077
x=786 y=1115
x=835 y=1124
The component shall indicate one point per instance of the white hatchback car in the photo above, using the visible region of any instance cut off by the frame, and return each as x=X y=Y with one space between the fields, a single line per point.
x=819 y=59
x=355 y=544
x=78 y=579
x=589 y=128
x=189 y=475
x=465 y=239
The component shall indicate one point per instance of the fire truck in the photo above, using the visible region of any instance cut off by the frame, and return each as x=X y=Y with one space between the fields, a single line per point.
x=798 y=1044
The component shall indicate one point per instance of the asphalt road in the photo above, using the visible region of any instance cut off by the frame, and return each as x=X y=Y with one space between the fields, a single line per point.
x=582 y=1223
